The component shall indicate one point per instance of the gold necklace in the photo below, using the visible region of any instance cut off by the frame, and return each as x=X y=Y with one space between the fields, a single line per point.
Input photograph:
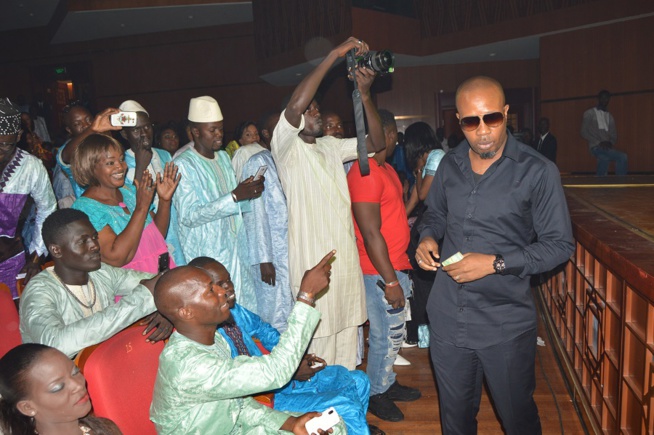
x=91 y=287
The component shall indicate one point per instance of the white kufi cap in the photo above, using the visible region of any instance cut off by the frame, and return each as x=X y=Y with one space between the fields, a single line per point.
x=132 y=106
x=204 y=109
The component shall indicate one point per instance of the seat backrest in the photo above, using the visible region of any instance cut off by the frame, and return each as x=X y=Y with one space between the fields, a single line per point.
x=9 y=324
x=120 y=375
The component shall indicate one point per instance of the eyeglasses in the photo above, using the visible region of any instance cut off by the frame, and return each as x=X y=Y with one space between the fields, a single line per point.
x=492 y=120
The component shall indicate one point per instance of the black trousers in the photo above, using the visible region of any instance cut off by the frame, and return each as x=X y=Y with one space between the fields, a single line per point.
x=422 y=282
x=509 y=372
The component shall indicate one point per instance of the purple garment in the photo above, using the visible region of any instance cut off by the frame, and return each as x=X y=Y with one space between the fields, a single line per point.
x=10 y=207
x=8 y=271
x=11 y=204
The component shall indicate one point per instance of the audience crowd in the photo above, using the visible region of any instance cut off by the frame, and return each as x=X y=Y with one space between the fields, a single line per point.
x=258 y=260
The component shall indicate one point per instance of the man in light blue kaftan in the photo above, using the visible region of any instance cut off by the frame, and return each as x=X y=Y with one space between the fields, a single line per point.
x=142 y=155
x=200 y=388
x=311 y=388
x=209 y=201
x=267 y=232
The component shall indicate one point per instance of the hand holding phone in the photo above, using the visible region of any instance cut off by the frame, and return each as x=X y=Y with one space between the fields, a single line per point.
x=123 y=119
x=262 y=170
x=326 y=421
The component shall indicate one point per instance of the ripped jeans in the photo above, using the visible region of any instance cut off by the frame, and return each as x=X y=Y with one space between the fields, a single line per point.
x=387 y=332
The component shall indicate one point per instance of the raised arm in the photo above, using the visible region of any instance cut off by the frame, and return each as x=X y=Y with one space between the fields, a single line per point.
x=166 y=185
x=101 y=124
x=119 y=249
x=375 y=140
x=305 y=91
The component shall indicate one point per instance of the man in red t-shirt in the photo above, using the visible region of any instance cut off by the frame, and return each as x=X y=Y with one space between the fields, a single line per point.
x=382 y=234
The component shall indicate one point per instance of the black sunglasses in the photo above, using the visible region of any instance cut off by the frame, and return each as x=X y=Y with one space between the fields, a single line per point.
x=492 y=120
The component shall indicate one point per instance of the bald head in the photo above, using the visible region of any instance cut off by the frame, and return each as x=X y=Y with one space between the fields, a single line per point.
x=176 y=287
x=476 y=85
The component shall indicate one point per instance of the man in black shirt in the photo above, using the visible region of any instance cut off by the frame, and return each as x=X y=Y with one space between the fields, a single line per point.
x=500 y=204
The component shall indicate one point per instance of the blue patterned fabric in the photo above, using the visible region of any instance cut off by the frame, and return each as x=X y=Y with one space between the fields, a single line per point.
x=210 y=222
x=347 y=391
x=267 y=232
x=433 y=160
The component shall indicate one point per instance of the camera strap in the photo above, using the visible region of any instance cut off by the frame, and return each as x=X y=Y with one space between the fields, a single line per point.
x=362 y=151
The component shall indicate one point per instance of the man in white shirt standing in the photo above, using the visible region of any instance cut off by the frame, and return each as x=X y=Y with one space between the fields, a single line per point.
x=310 y=168
x=598 y=128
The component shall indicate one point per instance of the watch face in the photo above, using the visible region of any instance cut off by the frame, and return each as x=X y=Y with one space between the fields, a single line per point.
x=498 y=264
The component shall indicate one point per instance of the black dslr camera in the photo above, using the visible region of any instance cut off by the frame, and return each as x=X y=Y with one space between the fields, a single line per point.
x=382 y=62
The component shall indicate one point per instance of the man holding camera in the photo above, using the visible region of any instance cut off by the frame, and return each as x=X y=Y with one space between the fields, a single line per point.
x=319 y=217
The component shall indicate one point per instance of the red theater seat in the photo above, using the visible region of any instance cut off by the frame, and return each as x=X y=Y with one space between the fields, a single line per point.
x=8 y=322
x=120 y=375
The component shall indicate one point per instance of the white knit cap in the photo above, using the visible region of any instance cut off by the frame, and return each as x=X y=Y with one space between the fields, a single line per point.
x=204 y=109
x=132 y=106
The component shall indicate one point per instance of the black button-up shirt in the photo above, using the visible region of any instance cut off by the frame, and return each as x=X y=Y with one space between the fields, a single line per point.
x=516 y=209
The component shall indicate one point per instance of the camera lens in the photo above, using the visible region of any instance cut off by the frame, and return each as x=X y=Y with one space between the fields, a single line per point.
x=379 y=61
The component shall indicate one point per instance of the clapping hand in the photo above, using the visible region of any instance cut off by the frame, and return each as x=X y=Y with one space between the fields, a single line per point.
x=167 y=182
x=144 y=190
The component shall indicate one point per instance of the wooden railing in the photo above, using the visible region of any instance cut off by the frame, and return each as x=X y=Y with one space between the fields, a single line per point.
x=601 y=305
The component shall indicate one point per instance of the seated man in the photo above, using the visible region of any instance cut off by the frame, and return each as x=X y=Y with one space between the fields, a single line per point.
x=72 y=305
x=311 y=388
x=199 y=387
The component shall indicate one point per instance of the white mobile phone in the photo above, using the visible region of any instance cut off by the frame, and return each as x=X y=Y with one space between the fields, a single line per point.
x=123 y=119
x=326 y=421
x=262 y=170
x=316 y=364
x=21 y=275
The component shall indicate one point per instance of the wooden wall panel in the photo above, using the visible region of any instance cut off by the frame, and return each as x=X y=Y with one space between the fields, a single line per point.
x=15 y=81
x=633 y=117
x=414 y=89
x=582 y=62
x=574 y=66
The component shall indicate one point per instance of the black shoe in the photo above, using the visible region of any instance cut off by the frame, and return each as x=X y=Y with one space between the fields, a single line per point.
x=400 y=393
x=374 y=430
x=384 y=408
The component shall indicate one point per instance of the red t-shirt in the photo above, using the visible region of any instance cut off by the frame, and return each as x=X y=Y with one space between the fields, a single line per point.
x=382 y=186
